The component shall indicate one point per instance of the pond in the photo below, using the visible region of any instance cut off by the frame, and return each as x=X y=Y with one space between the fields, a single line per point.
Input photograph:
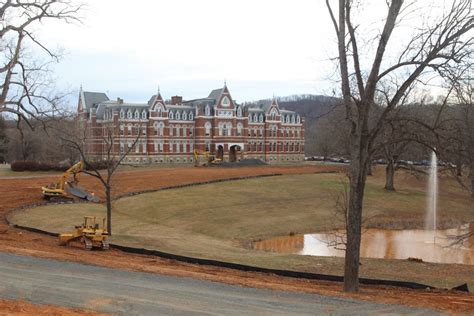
x=381 y=243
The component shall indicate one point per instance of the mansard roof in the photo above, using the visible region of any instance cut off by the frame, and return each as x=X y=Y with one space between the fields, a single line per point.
x=215 y=94
x=92 y=99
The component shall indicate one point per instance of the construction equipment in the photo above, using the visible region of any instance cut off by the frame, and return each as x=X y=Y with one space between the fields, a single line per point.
x=209 y=158
x=90 y=234
x=60 y=191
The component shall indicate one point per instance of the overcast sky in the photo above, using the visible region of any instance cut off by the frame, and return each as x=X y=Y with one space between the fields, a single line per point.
x=190 y=47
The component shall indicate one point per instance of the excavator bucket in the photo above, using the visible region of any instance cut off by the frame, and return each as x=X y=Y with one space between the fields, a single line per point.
x=82 y=194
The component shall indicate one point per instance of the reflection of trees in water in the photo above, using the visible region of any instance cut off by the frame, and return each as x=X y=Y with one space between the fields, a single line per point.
x=379 y=243
x=286 y=244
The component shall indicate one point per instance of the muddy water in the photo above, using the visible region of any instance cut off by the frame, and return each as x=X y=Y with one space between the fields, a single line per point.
x=379 y=243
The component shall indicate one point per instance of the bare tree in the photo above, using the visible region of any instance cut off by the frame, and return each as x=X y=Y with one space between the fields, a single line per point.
x=458 y=141
x=437 y=43
x=27 y=89
x=112 y=157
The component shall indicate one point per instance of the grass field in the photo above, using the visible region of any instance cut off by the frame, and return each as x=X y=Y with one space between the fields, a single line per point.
x=218 y=220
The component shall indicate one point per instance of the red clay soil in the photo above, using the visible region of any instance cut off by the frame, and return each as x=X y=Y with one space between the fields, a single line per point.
x=18 y=192
x=22 y=308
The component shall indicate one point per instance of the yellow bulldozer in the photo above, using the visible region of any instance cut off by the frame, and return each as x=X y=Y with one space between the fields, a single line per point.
x=208 y=158
x=67 y=187
x=90 y=234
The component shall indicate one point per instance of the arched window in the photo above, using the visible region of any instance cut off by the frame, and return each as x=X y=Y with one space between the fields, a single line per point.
x=298 y=119
x=255 y=118
x=292 y=119
x=171 y=115
x=250 y=118
x=161 y=128
x=225 y=101
x=122 y=114
x=239 y=129
x=239 y=111
x=185 y=116
x=207 y=128
x=191 y=116
x=287 y=119
x=129 y=114
x=207 y=110
x=260 y=118
x=137 y=115
x=144 y=115
x=159 y=109
x=178 y=115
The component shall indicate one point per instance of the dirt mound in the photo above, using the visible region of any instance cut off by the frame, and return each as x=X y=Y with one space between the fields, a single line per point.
x=250 y=162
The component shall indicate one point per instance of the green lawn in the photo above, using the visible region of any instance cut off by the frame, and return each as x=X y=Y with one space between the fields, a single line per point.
x=218 y=220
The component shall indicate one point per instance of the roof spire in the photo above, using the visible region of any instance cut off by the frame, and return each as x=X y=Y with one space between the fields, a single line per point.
x=225 y=82
x=158 y=91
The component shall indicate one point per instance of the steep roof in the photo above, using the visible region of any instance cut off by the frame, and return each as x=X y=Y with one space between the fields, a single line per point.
x=92 y=99
x=215 y=94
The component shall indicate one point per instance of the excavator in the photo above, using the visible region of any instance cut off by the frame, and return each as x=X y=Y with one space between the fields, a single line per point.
x=90 y=234
x=209 y=158
x=59 y=190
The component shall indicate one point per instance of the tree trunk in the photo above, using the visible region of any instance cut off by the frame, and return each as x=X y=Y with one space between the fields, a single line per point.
x=389 y=175
x=459 y=168
x=471 y=177
x=370 y=169
x=108 y=196
x=358 y=177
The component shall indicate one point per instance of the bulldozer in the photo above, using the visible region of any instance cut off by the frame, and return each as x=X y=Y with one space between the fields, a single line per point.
x=209 y=159
x=59 y=190
x=90 y=234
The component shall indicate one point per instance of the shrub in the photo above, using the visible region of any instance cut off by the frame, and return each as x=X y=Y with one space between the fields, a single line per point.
x=98 y=165
x=32 y=165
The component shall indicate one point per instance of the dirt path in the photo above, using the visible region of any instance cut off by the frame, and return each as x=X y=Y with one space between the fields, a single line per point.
x=18 y=192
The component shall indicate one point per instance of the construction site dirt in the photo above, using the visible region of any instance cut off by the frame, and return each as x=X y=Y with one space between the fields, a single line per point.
x=19 y=191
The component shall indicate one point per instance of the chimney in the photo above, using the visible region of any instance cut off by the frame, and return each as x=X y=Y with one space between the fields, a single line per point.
x=176 y=100
x=119 y=101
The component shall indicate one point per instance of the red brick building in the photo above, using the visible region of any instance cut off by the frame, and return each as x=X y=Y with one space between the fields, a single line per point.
x=171 y=131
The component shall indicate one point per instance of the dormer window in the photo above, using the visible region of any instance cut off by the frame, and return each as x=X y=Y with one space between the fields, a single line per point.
x=260 y=118
x=129 y=114
x=298 y=119
x=178 y=115
x=225 y=101
x=250 y=118
x=273 y=115
x=255 y=118
x=144 y=115
x=122 y=114
x=185 y=116
x=137 y=115
x=171 y=115
x=207 y=110
x=191 y=116
x=239 y=111
x=292 y=119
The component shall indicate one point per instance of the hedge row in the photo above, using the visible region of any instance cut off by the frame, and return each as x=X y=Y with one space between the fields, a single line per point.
x=32 y=165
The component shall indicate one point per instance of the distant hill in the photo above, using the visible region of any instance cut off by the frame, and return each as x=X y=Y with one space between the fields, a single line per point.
x=311 y=107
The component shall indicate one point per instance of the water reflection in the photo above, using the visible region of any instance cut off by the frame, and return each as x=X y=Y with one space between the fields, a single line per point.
x=379 y=243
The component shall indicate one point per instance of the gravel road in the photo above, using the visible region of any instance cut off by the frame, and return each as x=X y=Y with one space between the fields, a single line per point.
x=43 y=281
